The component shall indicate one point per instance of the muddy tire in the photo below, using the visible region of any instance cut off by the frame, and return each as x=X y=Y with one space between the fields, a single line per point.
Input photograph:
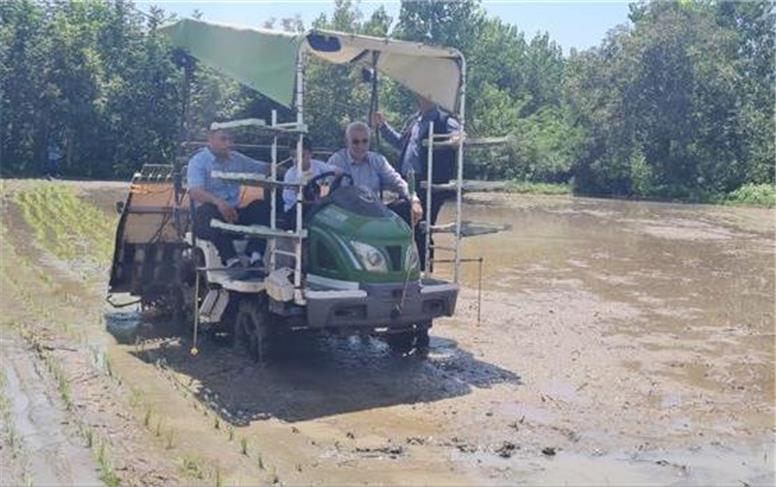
x=401 y=343
x=181 y=312
x=252 y=329
x=422 y=340
x=413 y=339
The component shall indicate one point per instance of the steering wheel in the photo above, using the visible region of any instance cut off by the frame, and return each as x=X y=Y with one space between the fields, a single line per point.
x=312 y=190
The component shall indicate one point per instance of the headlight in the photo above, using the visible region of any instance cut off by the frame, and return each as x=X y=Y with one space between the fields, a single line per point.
x=373 y=259
x=411 y=260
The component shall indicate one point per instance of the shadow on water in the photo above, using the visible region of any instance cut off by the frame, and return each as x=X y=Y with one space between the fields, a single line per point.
x=132 y=327
x=316 y=376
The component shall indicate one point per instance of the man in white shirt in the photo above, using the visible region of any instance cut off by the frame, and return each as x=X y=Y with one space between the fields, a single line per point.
x=310 y=169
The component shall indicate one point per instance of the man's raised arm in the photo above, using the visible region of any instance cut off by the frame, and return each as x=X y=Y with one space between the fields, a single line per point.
x=389 y=133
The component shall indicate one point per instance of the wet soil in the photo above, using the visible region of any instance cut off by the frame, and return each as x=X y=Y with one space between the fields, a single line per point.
x=620 y=343
x=49 y=454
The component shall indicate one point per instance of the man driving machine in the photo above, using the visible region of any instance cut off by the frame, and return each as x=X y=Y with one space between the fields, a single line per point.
x=370 y=170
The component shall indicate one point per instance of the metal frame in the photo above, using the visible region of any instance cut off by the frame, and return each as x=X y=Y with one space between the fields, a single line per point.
x=300 y=62
x=429 y=196
x=441 y=140
x=459 y=182
x=300 y=128
x=299 y=105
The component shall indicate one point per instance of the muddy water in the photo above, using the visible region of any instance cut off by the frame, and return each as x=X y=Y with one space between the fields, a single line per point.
x=49 y=455
x=621 y=342
x=660 y=319
x=695 y=278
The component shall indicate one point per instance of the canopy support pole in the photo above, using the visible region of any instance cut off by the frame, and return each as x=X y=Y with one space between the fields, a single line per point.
x=459 y=179
x=273 y=192
x=184 y=127
x=298 y=294
x=429 y=194
x=374 y=101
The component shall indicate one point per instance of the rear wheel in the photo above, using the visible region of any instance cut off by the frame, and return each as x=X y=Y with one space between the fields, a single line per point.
x=252 y=329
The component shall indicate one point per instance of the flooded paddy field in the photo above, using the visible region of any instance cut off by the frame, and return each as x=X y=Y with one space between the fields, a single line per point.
x=620 y=343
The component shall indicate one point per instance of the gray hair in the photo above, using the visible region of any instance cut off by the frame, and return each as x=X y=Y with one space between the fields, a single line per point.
x=357 y=127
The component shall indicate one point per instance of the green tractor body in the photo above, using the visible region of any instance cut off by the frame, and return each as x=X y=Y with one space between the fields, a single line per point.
x=349 y=246
x=363 y=268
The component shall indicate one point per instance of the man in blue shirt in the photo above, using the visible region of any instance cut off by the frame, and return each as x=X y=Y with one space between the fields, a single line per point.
x=372 y=171
x=414 y=157
x=217 y=199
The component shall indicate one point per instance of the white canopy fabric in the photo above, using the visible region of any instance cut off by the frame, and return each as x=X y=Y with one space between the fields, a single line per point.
x=432 y=72
x=266 y=60
x=262 y=59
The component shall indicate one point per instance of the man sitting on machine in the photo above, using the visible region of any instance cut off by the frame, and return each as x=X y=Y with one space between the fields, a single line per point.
x=310 y=169
x=370 y=170
x=217 y=199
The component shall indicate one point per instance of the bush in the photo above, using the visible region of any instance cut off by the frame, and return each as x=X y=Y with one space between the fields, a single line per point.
x=754 y=195
x=529 y=187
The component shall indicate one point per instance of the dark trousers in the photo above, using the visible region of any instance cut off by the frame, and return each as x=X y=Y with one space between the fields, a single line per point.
x=288 y=220
x=403 y=208
x=255 y=213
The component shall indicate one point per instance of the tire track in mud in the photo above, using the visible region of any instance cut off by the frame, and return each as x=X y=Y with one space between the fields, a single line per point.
x=55 y=313
x=50 y=454
x=147 y=434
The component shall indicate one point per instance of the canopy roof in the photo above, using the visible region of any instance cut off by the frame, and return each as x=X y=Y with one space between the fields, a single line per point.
x=265 y=60
x=431 y=72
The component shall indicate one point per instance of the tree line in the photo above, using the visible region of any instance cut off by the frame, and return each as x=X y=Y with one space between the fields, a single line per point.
x=678 y=103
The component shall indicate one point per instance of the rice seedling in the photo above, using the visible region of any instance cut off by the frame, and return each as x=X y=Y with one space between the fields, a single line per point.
x=170 y=437
x=244 y=446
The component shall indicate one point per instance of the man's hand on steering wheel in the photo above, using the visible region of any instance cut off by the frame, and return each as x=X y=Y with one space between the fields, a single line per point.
x=312 y=190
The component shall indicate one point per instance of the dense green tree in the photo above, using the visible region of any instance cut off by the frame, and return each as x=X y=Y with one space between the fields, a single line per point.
x=95 y=79
x=23 y=30
x=679 y=102
x=666 y=105
x=336 y=94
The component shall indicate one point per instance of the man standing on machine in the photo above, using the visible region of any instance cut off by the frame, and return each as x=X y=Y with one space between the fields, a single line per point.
x=370 y=170
x=414 y=157
x=217 y=199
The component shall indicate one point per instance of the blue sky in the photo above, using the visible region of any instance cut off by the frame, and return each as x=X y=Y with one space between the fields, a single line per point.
x=579 y=24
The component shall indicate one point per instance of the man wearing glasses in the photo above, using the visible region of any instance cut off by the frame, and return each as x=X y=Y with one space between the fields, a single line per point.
x=371 y=170
x=217 y=199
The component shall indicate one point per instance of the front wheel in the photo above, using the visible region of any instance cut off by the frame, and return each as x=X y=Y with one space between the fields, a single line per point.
x=252 y=328
x=416 y=338
x=422 y=340
x=401 y=343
